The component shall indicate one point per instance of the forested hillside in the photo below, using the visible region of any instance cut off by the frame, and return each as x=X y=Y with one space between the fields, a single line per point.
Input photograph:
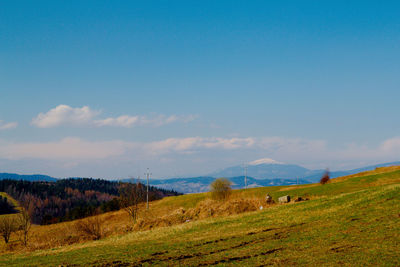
x=69 y=199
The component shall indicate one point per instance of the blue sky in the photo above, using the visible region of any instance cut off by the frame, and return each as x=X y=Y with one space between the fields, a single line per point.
x=187 y=87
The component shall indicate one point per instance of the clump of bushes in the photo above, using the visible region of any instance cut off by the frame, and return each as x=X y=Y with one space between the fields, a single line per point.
x=221 y=189
x=91 y=227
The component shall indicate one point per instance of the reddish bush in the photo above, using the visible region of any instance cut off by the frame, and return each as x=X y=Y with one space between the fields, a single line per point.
x=325 y=178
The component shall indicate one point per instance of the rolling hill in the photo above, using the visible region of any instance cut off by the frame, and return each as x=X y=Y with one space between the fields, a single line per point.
x=352 y=220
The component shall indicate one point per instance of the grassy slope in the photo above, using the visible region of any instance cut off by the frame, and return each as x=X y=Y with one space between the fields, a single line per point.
x=13 y=201
x=10 y=199
x=354 y=221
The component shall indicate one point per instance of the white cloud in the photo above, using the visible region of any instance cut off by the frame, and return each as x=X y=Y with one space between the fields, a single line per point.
x=389 y=149
x=131 y=121
x=161 y=119
x=122 y=121
x=272 y=144
x=191 y=144
x=72 y=147
x=198 y=152
x=66 y=115
x=67 y=148
x=7 y=126
x=391 y=145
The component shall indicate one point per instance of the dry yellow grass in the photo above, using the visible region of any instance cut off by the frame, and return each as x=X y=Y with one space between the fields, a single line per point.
x=118 y=222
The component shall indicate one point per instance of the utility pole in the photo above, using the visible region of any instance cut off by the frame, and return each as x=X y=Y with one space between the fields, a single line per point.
x=245 y=176
x=147 y=195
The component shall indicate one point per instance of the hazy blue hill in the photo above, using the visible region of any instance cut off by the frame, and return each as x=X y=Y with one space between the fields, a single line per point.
x=184 y=185
x=32 y=177
x=201 y=184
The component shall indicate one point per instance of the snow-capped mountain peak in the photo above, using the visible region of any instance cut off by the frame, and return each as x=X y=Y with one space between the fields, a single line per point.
x=265 y=161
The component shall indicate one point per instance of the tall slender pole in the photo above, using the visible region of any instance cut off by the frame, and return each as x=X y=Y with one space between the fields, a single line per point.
x=147 y=190
x=245 y=176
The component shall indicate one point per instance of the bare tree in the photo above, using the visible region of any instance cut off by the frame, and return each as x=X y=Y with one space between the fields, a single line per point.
x=24 y=219
x=131 y=194
x=24 y=222
x=7 y=226
x=220 y=189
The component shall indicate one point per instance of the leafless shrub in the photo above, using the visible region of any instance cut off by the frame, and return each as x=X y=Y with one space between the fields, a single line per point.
x=325 y=178
x=7 y=226
x=24 y=224
x=131 y=194
x=221 y=189
x=91 y=227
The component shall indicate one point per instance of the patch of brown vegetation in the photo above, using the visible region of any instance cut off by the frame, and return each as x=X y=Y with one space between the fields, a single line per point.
x=204 y=209
x=91 y=227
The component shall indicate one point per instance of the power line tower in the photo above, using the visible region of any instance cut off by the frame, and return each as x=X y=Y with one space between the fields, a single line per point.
x=245 y=175
x=147 y=190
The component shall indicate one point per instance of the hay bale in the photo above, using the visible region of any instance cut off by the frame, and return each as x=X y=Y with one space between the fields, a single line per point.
x=284 y=199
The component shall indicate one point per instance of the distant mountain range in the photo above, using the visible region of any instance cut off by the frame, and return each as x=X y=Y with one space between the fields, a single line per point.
x=31 y=177
x=202 y=183
x=262 y=172
x=267 y=169
x=271 y=169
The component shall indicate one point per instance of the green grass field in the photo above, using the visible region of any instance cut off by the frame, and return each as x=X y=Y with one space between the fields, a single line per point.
x=353 y=222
